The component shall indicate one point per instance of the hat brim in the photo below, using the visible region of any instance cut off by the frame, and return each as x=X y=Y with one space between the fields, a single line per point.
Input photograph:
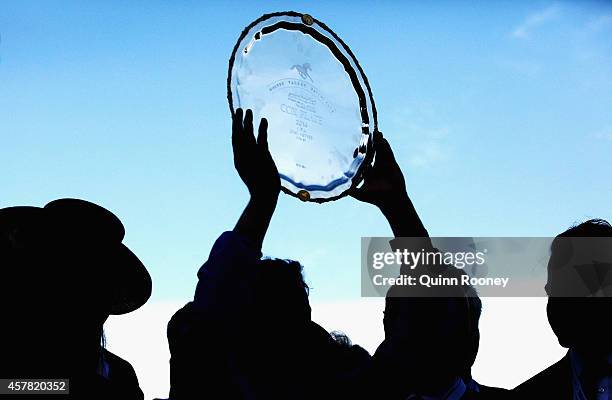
x=131 y=283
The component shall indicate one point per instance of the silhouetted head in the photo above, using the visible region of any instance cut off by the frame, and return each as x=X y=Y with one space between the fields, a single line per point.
x=281 y=292
x=200 y=347
x=579 y=283
x=280 y=311
x=64 y=271
x=432 y=339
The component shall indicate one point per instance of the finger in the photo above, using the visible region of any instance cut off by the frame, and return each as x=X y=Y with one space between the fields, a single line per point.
x=238 y=115
x=262 y=134
x=237 y=119
x=248 y=126
x=382 y=145
x=236 y=125
x=384 y=153
x=368 y=174
x=262 y=141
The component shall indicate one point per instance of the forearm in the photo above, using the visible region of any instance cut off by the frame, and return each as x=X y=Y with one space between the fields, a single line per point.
x=403 y=218
x=255 y=219
x=409 y=232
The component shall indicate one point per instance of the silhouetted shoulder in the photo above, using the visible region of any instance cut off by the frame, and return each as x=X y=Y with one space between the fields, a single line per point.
x=122 y=376
x=555 y=382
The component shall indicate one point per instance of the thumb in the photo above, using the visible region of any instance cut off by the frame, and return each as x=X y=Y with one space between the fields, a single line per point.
x=381 y=144
x=359 y=194
x=384 y=153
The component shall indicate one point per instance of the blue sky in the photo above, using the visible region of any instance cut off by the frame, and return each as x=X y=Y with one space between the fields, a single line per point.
x=500 y=116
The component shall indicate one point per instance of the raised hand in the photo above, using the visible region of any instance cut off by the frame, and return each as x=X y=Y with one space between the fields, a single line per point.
x=257 y=170
x=384 y=185
x=252 y=158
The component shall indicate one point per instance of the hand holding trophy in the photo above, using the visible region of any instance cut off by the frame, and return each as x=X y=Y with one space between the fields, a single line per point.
x=252 y=158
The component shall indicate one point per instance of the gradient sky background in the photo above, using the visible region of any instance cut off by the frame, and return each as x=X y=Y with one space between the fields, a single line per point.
x=499 y=114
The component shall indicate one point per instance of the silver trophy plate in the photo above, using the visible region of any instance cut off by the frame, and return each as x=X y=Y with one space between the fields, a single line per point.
x=293 y=70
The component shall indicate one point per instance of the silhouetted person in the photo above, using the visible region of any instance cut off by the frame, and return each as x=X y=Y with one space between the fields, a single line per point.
x=64 y=271
x=579 y=308
x=248 y=332
x=431 y=342
x=431 y=337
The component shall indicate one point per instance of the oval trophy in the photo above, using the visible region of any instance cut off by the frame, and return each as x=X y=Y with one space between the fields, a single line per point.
x=293 y=70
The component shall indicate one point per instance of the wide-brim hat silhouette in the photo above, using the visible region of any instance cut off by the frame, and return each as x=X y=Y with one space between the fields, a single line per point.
x=83 y=240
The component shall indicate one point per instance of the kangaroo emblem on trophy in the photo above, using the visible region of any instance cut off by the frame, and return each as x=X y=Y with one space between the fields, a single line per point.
x=303 y=70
